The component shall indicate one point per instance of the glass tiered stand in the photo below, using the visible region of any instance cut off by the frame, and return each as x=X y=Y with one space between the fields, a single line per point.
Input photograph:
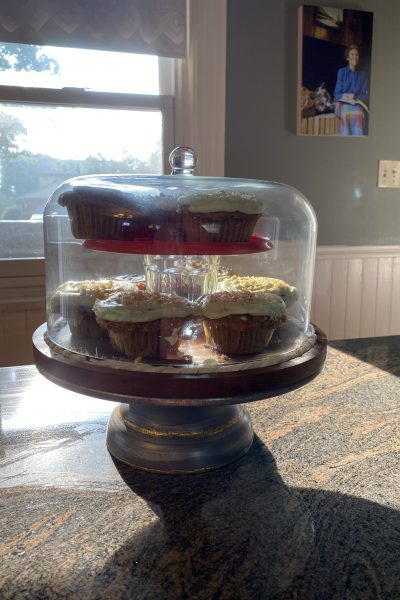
x=181 y=412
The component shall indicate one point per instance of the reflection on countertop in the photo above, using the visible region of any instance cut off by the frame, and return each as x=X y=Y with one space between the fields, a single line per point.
x=312 y=510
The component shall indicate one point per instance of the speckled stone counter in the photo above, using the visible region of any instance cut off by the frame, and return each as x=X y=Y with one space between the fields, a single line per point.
x=311 y=512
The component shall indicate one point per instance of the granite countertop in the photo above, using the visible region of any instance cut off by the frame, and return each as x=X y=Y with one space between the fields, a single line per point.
x=310 y=512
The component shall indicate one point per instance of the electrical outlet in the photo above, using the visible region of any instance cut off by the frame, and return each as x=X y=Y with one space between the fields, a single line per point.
x=389 y=173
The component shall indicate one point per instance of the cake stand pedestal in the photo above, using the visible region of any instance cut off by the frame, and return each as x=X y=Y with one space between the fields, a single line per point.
x=178 y=439
x=179 y=421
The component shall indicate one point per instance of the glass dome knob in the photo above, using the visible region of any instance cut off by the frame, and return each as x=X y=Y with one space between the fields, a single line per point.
x=183 y=160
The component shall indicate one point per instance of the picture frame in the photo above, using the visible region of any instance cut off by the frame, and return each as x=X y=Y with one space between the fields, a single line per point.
x=334 y=71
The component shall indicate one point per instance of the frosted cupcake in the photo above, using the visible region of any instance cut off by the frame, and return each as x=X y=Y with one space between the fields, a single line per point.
x=74 y=301
x=287 y=292
x=219 y=216
x=143 y=323
x=241 y=322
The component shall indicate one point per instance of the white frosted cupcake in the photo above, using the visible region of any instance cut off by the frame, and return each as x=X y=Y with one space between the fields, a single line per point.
x=144 y=324
x=219 y=216
x=241 y=322
x=287 y=292
x=74 y=301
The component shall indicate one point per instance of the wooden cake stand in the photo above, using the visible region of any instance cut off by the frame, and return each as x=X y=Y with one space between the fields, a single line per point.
x=176 y=419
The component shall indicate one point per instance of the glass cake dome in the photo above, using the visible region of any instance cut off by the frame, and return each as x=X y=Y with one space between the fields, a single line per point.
x=179 y=270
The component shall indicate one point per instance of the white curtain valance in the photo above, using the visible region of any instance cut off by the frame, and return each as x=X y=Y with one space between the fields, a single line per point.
x=143 y=26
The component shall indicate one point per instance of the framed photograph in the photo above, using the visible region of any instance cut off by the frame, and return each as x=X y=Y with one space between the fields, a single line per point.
x=334 y=71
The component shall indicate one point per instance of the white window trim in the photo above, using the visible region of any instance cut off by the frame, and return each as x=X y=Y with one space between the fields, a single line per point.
x=198 y=85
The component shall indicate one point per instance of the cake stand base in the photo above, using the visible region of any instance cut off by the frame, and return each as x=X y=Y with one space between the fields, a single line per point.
x=176 y=420
x=178 y=439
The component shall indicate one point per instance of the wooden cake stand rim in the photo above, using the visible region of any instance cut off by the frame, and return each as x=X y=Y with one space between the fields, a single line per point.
x=179 y=389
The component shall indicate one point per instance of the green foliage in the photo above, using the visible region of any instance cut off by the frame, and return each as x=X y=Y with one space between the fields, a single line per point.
x=29 y=179
x=129 y=164
x=25 y=58
x=29 y=172
x=10 y=129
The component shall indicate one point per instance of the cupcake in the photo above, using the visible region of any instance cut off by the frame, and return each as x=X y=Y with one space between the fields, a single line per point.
x=287 y=292
x=107 y=213
x=219 y=216
x=144 y=324
x=74 y=300
x=241 y=322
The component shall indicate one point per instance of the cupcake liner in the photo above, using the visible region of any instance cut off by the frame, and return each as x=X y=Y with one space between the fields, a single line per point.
x=83 y=325
x=168 y=226
x=218 y=226
x=153 y=339
x=232 y=335
x=170 y=336
x=133 y=339
x=87 y=222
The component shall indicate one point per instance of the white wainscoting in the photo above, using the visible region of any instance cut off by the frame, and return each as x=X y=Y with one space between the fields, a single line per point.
x=22 y=308
x=356 y=294
x=357 y=291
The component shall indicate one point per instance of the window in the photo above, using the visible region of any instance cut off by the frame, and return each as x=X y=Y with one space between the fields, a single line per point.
x=66 y=112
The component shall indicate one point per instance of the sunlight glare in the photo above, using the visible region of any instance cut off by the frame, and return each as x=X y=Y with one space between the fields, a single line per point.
x=46 y=404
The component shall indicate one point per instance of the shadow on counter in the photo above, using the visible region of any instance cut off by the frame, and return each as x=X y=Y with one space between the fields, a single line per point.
x=381 y=352
x=240 y=532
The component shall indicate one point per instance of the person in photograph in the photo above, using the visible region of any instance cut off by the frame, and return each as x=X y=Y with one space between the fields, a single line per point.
x=351 y=95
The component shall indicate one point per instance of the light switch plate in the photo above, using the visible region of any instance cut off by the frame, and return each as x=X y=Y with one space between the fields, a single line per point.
x=389 y=173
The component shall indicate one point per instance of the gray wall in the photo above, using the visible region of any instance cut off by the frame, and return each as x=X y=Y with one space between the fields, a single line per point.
x=261 y=139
